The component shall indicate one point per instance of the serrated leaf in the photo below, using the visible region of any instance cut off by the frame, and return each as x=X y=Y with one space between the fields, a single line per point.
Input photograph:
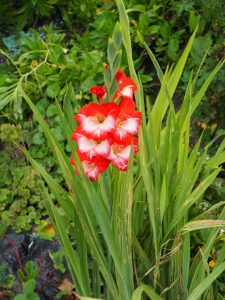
x=51 y=110
x=53 y=90
x=38 y=139
x=42 y=106
x=59 y=134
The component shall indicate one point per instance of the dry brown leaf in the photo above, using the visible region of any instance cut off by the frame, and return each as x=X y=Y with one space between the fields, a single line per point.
x=66 y=285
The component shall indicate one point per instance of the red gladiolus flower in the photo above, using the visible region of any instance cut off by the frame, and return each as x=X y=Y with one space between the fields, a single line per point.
x=106 y=131
x=98 y=120
x=89 y=146
x=126 y=88
x=99 y=91
x=128 y=121
x=120 y=153
x=93 y=167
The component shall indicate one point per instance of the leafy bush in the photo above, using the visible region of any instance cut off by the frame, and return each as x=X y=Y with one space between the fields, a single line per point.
x=21 y=202
x=44 y=67
x=15 y=16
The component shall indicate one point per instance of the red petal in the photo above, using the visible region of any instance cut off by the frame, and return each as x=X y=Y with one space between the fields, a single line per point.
x=127 y=106
x=125 y=138
x=101 y=163
x=119 y=75
x=99 y=91
x=112 y=109
x=93 y=109
x=128 y=82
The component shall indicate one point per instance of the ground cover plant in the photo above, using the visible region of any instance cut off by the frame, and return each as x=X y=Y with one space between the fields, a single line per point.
x=137 y=226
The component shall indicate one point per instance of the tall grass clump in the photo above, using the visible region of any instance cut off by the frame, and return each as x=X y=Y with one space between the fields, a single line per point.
x=129 y=235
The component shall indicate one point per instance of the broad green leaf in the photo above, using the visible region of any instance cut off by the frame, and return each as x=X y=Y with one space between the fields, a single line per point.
x=53 y=90
x=51 y=110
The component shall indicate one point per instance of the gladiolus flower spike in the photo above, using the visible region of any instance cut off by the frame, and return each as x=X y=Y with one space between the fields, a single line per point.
x=107 y=131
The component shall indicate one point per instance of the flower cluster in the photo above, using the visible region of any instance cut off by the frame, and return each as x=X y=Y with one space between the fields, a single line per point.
x=106 y=131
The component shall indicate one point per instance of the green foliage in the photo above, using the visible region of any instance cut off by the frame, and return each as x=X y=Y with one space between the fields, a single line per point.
x=21 y=204
x=9 y=132
x=15 y=16
x=45 y=66
x=57 y=258
x=6 y=281
x=62 y=294
x=28 y=292
x=30 y=272
x=21 y=201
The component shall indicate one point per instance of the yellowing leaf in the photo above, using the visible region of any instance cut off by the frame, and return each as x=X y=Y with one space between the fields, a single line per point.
x=66 y=285
x=45 y=230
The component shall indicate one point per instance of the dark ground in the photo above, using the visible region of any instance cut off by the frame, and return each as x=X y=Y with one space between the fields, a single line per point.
x=17 y=249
